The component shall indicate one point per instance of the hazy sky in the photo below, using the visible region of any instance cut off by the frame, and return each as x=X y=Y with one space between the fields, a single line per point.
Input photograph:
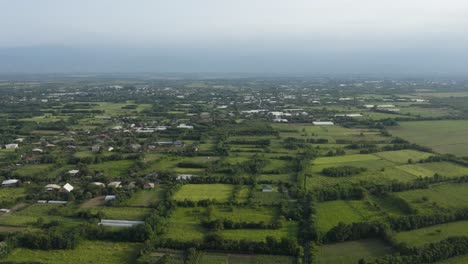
x=235 y=35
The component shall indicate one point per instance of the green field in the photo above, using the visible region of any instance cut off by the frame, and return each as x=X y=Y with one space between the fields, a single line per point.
x=456 y=260
x=39 y=170
x=184 y=224
x=351 y=252
x=31 y=213
x=86 y=252
x=329 y=214
x=112 y=168
x=441 y=136
x=422 y=236
x=288 y=230
x=382 y=167
x=449 y=196
x=218 y=258
x=197 y=192
x=245 y=214
x=146 y=197
x=402 y=156
x=8 y=196
x=123 y=213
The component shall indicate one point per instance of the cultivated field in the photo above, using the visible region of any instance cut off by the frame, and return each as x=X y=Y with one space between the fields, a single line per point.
x=441 y=136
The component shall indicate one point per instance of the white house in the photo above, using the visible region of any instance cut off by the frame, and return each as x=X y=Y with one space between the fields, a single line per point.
x=67 y=188
x=52 y=187
x=115 y=184
x=11 y=146
x=10 y=183
x=323 y=123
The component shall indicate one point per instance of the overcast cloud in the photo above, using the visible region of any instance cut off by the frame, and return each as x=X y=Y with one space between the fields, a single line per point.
x=234 y=35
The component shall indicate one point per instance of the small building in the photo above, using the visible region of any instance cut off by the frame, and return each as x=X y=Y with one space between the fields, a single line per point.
x=4 y=210
x=99 y=184
x=37 y=151
x=95 y=148
x=52 y=187
x=73 y=172
x=109 y=198
x=19 y=140
x=184 y=177
x=114 y=184
x=120 y=223
x=56 y=202
x=323 y=123
x=10 y=183
x=185 y=126
x=67 y=188
x=267 y=188
x=148 y=185
x=11 y=146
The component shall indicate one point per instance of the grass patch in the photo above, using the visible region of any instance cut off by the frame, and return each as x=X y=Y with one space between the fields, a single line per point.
x=86 y=252
x=442 y=136
x=351 y=252
x=330 y=214
x=197 y=192
x=422 y=236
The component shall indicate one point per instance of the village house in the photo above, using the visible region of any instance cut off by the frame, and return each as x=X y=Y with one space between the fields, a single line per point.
x=148 y=185
x=10 y=183
x=67 y=188
x=267 y=188
x=114 y=184
x=52 y=187
x=11 y=146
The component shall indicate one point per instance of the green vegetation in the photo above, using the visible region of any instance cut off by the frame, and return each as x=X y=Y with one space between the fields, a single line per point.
x=351 y=252
x=197 y=192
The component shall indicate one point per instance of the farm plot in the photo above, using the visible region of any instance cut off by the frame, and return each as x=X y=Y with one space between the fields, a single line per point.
x=122 y=213
x=112 y=168
x=441 y=136
x=422 y=236
x=86 y=252
x=144 y=198
x=218 y=258
x=244 y=214
x=402 y=156
x=448 y=196
x=8 y=196
x=35 y=170
x=184 y=224
x=197 y=192
x=288 y=230
x=330 y=214
x=446 y=169
x=352 y=252
x=30 y=214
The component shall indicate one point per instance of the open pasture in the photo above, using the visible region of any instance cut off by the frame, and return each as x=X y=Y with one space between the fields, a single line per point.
x=436 y=233
x=288 y=230
x=184 y=224
x=450 y=196
x=123 y=213
x=402 y=156
x=87 y=252
x=352 y=251
x=329 y=214
x=245 y=214
x=197 y=192
x=144 y=198
x=112 y=168
x=8 y=196
x=445 y=136
x=219 y=258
